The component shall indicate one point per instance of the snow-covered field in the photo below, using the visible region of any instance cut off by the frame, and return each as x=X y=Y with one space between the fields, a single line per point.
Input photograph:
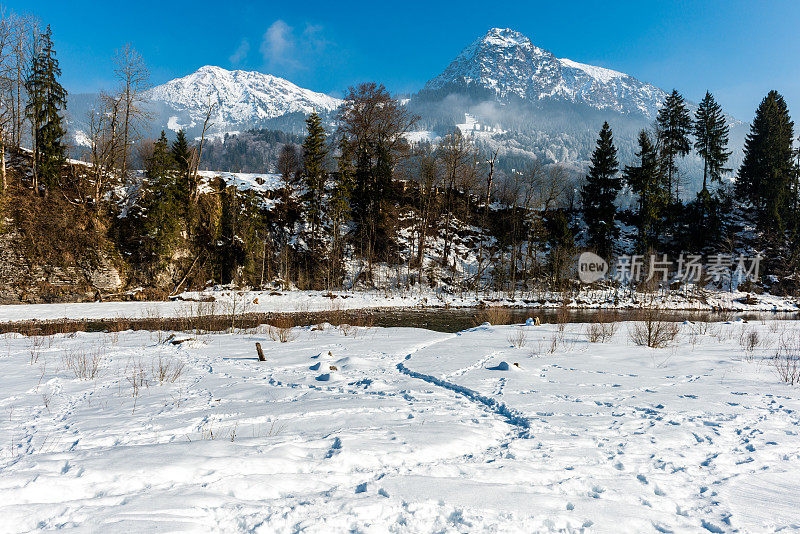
x=399 y=430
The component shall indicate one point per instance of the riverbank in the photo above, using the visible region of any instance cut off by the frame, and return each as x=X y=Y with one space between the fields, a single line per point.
x=237 y=303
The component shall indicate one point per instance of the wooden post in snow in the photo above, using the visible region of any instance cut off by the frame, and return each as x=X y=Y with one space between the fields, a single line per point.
x=261 y=357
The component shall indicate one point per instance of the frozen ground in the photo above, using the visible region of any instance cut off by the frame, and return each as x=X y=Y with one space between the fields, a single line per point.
x=236 y=302
x=413 y=431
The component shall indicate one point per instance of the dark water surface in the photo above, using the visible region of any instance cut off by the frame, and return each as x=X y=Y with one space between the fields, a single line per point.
x=438 y=319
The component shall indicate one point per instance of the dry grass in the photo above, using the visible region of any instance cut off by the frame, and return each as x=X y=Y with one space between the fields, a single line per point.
x=496 y=315
x=602 y=327
x=786 y=361
x=749 y=341
x=84 y=365
x=164 y=370
x=518 y=337
x=600 y=332
x=35 y=348
x=653 y=329
x=563 y=316
x=282 y=330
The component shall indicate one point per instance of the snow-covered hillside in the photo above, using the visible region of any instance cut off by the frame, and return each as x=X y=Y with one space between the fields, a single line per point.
x=508 y=63
x=241 y=98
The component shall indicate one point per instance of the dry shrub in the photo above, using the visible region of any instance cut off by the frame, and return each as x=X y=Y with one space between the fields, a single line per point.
x=36 y=344
x=282 y=329
x=749 y=341
x=164 y=370
x=496 y=315
x=518 y=337
x=84 y=365
x=563 y=316
x=347 y=329
x=554 y=343
x=653 y=329
x=786 y=361
x=602 y=327
x=600 y=332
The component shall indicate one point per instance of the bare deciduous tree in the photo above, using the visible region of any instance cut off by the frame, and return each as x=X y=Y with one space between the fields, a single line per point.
x=134 y=79
x=105 y=140
x=455 y=153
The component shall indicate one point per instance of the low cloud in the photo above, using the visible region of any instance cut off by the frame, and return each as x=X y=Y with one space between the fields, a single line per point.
x=286 y=49
x=241 y=52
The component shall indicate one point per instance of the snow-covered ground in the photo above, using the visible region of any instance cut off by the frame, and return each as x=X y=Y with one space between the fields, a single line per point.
x=238 y=302
x=399 y=430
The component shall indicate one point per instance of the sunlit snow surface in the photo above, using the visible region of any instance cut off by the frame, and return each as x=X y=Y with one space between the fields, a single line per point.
x=413 y=431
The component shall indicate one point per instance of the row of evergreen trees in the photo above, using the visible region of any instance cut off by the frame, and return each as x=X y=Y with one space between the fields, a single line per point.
x=766 y=185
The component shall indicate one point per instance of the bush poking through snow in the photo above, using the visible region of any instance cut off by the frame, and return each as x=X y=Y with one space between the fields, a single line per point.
x=518 y=337
x=786 y=361
x=282 y=330
x=496 y=315
x=85 y=366
x=653 y=329
x=563 y=316
x=602 y=327
x=749 y=341
x=164 y=370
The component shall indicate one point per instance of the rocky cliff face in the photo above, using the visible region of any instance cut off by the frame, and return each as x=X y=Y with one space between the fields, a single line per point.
x=52 y=249
x=27 y=279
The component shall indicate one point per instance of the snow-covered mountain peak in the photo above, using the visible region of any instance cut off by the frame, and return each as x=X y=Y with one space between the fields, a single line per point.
x=506 y=37
x=240 y=97
x=507 y=63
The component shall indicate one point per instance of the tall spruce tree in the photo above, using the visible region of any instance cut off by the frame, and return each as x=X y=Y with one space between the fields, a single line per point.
x=46 y=99
x=767 y=175
x=314 y=156
x=181 y=154
x=673 y=124
x=711 y=139
x=648 y=181
x=600 y=192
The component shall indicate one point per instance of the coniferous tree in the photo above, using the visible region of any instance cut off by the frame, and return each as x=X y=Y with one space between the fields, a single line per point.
x=711 y=139
x=163 y=201
x=648 y=181
x=673 y=125
x=600 y=192
x=314 y=156
x=46 y=99
x=160 y=163
x=767 y=175
x=182 y=159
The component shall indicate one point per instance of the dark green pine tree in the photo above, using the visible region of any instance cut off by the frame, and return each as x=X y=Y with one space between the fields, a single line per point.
x=673 y=125
x=648 y=181
x=182 y=159
x=46 y=99
x=163 y=202
x=600 y=192
x=314 y=155
x=711 y=139
x=767 y=174
x=160 y=163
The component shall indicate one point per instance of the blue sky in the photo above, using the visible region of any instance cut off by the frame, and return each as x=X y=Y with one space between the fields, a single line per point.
x=737 y=49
